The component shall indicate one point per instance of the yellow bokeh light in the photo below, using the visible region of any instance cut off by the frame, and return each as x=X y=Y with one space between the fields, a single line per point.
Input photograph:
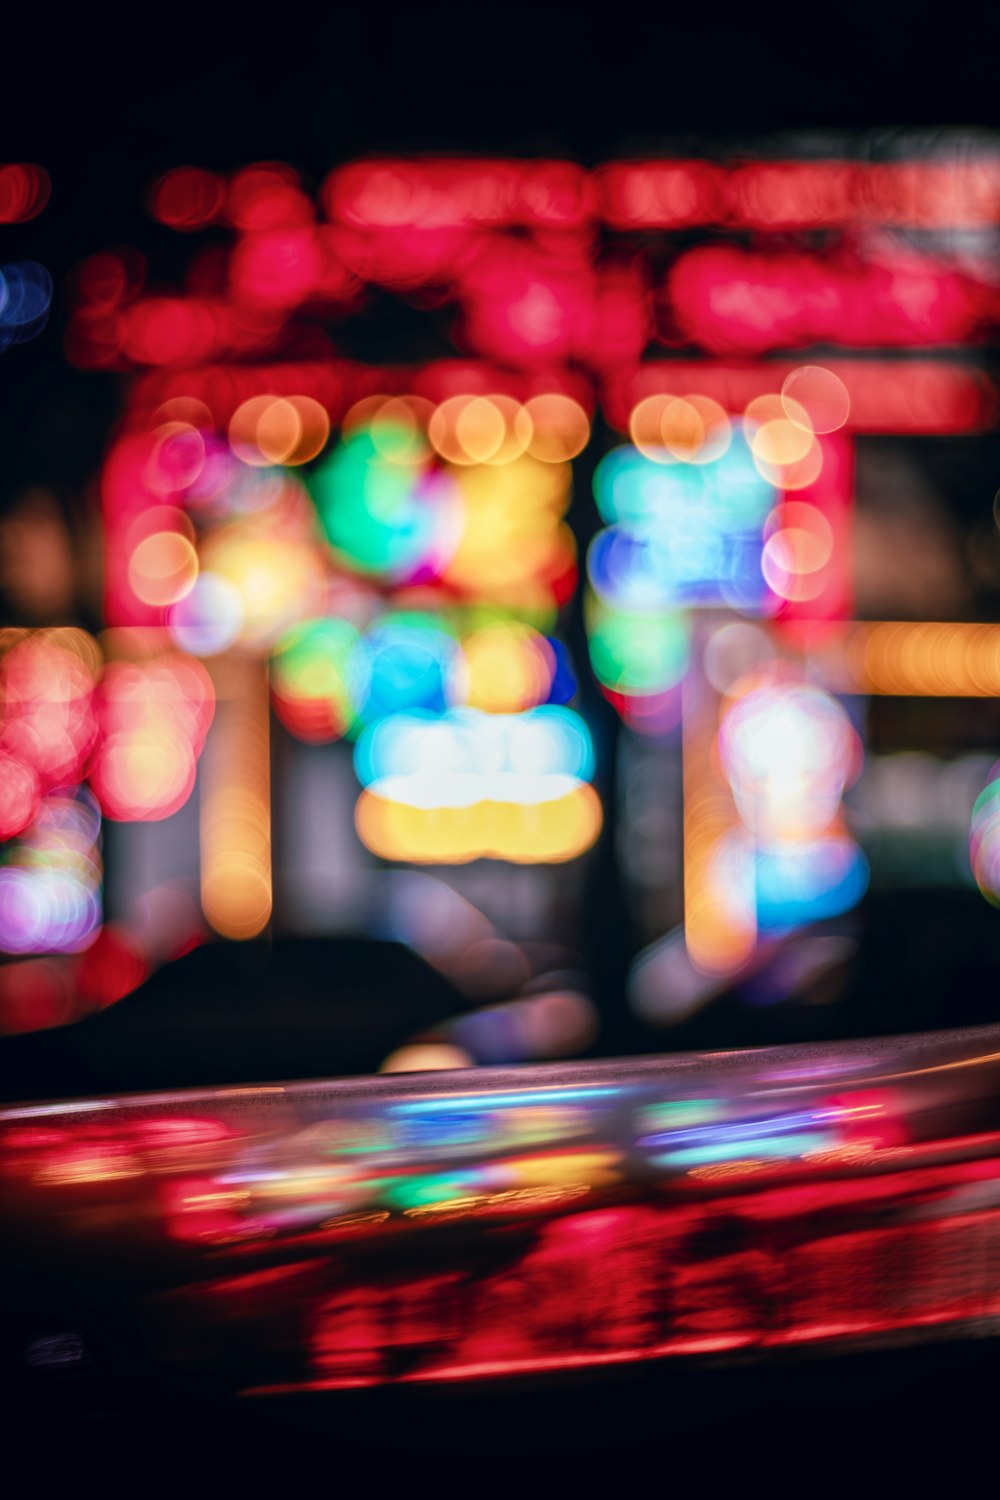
x=781 y=442
x=426 y=1057
x=278 y=431
x=509 y=668
x=512 y=538
x=770 y=407
x=797 y=474
x=931 y=659
x=479 y=430
x=535 y=833
x=720 y=930
x=279 y=579
x=147 y=768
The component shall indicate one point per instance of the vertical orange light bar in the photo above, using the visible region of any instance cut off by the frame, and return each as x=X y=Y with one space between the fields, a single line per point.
x=236 y=803
x=720 y=920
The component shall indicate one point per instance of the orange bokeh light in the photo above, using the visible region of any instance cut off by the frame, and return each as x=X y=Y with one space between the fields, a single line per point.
x=560 y=428
x=492 y=429
x=163 y=568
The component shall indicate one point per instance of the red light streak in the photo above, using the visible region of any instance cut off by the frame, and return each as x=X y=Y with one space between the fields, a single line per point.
x=821 y=1249
x=674 y=1296
x=732 y=301
x=436 y=194
x=667 y=194
x=888 y=396
x=785 y=195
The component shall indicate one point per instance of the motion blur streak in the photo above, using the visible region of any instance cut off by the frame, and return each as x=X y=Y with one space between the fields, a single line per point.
x=448 y=1226
x=235 y=804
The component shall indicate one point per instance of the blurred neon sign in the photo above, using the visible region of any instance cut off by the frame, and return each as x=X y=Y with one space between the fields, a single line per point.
x=403 y=581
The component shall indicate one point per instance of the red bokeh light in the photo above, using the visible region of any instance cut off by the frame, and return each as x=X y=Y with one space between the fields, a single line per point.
x=48 y=722
x=444 y=194
x=170 y=330
x=20 y=792
x=277 y=267
x=268 y=196
x=154 y=717
x=660 y=194
x=523 y=306
x=111 y=968
x=36 y=993
x=742 y=302
x=187 y=198
x=780 y=195
x=886 y=396
x=24 y=192
x=403 y=258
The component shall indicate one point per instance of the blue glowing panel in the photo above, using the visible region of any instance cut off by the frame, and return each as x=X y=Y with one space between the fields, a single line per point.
x=681 y=534
x=798 y=883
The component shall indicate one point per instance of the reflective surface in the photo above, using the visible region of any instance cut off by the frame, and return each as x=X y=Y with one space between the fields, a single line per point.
x=498 y=1223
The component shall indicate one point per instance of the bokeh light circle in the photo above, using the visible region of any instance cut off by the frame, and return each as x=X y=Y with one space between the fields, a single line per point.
x=818 y=392
x=644 y=427
x=480 y=429
x=144 y=773
x=209 y=618
x=695 y=429
x=319 y=679
x=559 y=427
x=509 y=667
x=163 y=568
x=19 y=795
